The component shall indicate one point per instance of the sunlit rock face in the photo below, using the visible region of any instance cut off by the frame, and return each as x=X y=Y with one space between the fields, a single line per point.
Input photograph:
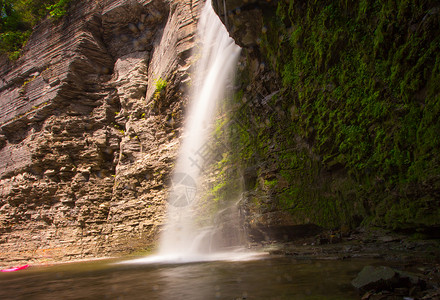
x=86 y=143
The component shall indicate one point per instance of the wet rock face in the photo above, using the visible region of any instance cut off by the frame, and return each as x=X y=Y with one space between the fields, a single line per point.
x=257 y=83
x=85 y=145
x=281 y=233
x=244 y=18
x=296 y=170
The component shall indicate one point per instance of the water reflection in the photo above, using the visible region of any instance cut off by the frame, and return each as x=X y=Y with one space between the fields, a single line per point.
x=229 y=254
x=274 y=278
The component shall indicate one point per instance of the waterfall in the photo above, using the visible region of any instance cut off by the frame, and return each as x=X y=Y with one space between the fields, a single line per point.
x=181 y=240
x=217 y=59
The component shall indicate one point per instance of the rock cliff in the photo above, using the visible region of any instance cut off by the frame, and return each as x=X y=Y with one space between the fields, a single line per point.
x=334 y=115
x=88 y=137
x=334 y=123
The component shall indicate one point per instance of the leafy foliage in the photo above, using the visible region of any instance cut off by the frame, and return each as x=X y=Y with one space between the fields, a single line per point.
x=18 y=18
x=160 y=84
x=58 y=9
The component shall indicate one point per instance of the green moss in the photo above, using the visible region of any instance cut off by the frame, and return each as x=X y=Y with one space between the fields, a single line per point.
x=362 y=85
x=271 y=184
x=218 y=190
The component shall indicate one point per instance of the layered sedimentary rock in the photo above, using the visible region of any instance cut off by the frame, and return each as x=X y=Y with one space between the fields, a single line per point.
x=87 y=141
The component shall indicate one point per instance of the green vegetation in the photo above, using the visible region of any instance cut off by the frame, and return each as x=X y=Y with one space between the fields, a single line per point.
x=227 y=187
x=360 y=139
x=58 y=9
x=18 y=17
x=119 y=128
x=271 y=184
x=160 y=84
x=26 y=82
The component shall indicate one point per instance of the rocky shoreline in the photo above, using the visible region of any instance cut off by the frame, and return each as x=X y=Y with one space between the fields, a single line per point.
x=404 y=268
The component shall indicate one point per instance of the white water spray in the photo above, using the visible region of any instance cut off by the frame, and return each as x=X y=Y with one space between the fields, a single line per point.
x=217 y=60
x=181 y=240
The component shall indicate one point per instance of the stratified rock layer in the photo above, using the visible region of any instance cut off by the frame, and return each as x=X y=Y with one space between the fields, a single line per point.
x=86 y=143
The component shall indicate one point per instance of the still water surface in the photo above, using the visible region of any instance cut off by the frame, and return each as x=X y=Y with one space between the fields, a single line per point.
x=269 y=278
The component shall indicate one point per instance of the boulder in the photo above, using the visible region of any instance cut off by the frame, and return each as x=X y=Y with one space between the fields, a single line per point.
x=383 y=278
x=375 y=278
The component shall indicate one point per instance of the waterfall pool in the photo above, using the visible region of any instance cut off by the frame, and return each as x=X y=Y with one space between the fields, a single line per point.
x=263 y=278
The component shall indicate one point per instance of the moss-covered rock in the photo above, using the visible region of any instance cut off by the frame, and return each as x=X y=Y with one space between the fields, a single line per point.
x=352 y=133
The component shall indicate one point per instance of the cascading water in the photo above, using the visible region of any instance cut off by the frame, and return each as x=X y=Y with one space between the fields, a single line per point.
x=217 y=61
x=181 y=240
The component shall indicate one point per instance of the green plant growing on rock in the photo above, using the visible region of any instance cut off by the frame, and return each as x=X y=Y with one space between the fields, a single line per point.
x=160 y=84
x=119 y=128
x=58 y=9
x=26 y=82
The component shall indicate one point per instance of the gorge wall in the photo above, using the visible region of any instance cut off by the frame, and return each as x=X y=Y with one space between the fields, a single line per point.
x=91 y=116
x=335 y=118
x=333 y=124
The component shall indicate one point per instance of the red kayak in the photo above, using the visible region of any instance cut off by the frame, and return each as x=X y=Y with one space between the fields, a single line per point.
x=15 y=268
